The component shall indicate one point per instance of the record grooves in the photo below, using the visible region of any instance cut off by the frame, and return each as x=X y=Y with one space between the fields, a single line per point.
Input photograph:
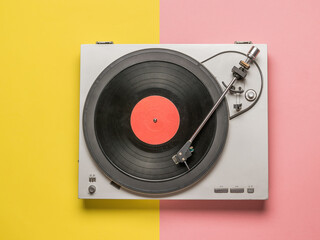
x=121 y=155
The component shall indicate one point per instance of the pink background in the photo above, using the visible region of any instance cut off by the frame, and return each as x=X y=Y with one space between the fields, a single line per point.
x=291 y=30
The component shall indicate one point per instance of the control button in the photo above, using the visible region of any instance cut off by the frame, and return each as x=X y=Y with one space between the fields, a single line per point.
x=237 y=190
x=250 y=190
x=92 y=189
x=251 y=95
x=221 y=190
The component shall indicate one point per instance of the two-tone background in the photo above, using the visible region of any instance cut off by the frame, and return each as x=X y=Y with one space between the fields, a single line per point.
x=39 y=108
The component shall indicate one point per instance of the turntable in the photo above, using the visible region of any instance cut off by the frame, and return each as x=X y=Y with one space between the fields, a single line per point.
x=173 y=121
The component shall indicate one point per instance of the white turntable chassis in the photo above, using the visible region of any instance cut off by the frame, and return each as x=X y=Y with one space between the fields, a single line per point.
x=241 y=172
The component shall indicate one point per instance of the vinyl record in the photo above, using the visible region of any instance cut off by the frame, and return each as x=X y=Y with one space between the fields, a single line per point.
x=142 y=109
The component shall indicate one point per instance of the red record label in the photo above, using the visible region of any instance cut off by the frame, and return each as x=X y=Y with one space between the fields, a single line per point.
x=155 y=120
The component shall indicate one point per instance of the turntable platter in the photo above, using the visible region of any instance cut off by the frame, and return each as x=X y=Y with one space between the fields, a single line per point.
x=179 y=92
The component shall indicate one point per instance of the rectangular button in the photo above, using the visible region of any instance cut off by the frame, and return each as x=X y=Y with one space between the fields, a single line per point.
x=221 y=190
x=250 y=190
x=237 y=190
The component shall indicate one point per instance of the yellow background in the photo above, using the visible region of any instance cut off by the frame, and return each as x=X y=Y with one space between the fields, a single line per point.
x=39 y=107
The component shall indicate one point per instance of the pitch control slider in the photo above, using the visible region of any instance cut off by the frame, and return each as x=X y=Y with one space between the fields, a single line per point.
x=239 y=73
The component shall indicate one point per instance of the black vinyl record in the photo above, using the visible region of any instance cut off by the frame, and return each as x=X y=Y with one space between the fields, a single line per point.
x=135 y=164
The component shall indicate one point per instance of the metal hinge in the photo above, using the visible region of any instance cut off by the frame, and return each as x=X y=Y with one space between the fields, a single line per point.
x=242 y=42
x=109 y=42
